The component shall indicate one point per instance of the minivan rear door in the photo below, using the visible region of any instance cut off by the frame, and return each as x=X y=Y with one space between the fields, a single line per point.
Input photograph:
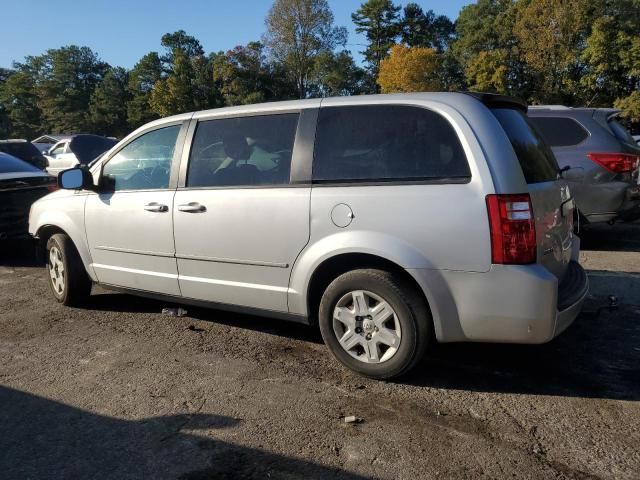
x=553 y=205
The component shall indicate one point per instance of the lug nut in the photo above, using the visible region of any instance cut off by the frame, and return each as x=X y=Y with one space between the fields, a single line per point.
x=375 y=329
x=358 y=330
x=368 y=336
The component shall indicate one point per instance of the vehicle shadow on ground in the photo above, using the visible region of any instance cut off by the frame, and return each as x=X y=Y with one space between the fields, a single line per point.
x=621 y=237
x=120 y=302
x=19 y=254
x=597 y=357
x=42 y=438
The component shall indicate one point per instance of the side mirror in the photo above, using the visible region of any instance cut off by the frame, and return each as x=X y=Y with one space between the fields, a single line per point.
x=76 y=179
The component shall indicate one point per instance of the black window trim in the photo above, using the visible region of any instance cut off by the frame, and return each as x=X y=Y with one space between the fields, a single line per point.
x=175 y=160
x=580 y=124
x=301 y=157
x=368 y=182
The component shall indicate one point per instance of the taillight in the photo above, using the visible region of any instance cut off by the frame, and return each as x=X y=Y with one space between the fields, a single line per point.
x=615 y=162
x=513 y=229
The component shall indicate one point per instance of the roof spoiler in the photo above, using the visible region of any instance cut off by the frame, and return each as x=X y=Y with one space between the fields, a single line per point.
x=493 y=100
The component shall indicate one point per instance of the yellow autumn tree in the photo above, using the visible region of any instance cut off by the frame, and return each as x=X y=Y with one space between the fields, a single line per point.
x=410 y=69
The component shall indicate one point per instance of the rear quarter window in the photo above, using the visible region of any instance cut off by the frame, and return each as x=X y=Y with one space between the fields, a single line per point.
x=534 y=155
x=380 y=143
x=560 y=131
x=620 y=132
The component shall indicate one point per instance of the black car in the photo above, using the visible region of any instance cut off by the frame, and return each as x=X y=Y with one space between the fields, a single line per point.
x=25 y=151
x=21 y=184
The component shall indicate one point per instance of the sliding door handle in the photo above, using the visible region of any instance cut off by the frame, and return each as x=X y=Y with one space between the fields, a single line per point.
x=192 y=207
x=156 y=207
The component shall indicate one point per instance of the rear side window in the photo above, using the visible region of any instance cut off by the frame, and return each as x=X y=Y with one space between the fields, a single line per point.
x=386 y=143
x=620 y=132
x=560 y=131
x=22 y=150
x=536 y=159
x=245 y=151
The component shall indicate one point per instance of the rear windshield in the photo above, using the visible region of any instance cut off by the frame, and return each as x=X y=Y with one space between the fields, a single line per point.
x=620 y=132
x=536 y=159
x=560 y=131
x=9 y=164
x=23 y=150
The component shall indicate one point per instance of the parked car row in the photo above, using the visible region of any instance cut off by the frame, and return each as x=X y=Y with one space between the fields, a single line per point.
x=600 y=155
x=21 y=184
x=389 y=221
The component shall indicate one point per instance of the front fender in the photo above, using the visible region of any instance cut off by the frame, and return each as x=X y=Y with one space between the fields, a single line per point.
x=353 y=241
x=67 y=214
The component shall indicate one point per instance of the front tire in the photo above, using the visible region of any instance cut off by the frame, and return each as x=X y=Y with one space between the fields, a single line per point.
x=68 y=278
x=375 y=323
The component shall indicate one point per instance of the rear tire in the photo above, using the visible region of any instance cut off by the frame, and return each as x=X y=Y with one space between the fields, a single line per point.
x=68 y=278
x=375 y=323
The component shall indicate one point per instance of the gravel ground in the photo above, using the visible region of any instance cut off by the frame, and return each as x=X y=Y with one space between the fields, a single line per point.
x=118 y=390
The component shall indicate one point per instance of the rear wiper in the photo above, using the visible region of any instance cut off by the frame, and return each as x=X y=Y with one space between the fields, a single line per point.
x=562 y=170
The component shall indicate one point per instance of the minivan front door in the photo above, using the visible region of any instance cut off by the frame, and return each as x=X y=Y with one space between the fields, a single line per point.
x=129 y=222
x=239 y=224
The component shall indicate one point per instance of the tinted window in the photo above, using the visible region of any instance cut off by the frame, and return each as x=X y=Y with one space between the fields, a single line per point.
x=143 y=164
x=386 y=143
x=559 y=131
x=23 y=150
x=242 y=151
x=620 y=132
x=9 y=164
x=535 y=157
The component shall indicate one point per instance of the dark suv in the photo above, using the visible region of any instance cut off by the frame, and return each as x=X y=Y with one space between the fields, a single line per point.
x=25 y=151
x=602 y=158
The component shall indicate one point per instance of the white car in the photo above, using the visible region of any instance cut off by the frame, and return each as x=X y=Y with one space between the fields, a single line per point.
x=76 y=150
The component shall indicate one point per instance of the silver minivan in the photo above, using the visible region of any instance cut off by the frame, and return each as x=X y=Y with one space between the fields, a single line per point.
x=388 y=221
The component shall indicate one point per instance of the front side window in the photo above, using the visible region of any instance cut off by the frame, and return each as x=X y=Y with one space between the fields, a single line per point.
x=385 y=143
x=243 y=151
x=58 y=150
x=144 y=163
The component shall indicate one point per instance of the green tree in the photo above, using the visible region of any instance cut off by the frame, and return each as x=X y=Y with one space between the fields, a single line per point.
x=244 y=75
x=142 y=78
x=425 y=29
x=66 y=79
x=612 y=57
x=21 y=116
x=378 y=20
x=336 y=74
x=108 y=104
x=550 y=36
x=297 y=32
x=187 y=81
x=188 y=45
x=485 y=31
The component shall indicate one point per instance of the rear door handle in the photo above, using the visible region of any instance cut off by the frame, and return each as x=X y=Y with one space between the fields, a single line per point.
x=192 y=207
x=156 y=207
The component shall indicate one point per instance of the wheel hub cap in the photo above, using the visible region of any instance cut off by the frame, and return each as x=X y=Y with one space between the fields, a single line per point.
x=366 y=327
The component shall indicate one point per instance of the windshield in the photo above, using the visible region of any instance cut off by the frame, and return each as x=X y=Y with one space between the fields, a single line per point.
x=9 y=164
x=536 y=158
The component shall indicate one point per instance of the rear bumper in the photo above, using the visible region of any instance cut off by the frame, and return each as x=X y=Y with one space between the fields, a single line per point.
x=607 y=202
x=507 y=304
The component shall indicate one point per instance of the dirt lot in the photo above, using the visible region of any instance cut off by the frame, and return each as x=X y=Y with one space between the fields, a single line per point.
x=118 y=390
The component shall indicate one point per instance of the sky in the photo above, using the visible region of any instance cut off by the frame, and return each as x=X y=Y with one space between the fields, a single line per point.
x=122 y=31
